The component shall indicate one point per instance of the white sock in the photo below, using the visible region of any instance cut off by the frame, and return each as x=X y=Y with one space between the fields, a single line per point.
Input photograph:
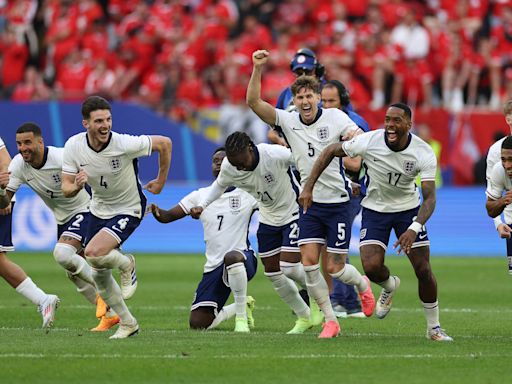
x=28 y=289
x=66 y=256
x=237 y=278
x=389 y=284
x=294 y=271
x=226 y=313
x=351 y=276
x=83 y=287
x=432 y=314
x=112 y=260
x=318 y=290
x=110 y=292
x=288 y=291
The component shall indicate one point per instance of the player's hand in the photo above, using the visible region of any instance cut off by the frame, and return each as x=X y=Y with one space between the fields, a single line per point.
x=282 y=141
x=154 y=186
x=195 y=212
x=507 y=198
x=81 y=178
x=504 y=230
x=5 y=211
x=305 y=199
x=350 y=135
x=404 y=242
x=260 y=57
x=155 y=210
x=356 y=189
x=4 y=179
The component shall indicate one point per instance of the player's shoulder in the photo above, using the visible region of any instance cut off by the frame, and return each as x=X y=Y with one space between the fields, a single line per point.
x=272 y=148
x=2 y=144
x=78 y=139
x=17 y=163
x=496 y=147
x=418 y=144
x=498 y=170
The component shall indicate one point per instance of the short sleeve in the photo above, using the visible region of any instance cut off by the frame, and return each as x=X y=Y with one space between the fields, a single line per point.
x=495 y=184
x=282 y=154
x=190 y=201
x=136 y=146
x=225 y=179
x=428 y=167
x=69 y=165
x=357 y=146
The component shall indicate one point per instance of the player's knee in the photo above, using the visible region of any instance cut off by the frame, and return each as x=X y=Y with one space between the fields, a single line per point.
x=200 y=320
x=233 y=257
x=423 y=271
x=92 y=251
x=63 y=255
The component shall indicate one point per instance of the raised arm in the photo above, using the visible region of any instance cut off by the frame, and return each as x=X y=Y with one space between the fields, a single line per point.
x=325 y=158
x=264 y=110
x=162 y=145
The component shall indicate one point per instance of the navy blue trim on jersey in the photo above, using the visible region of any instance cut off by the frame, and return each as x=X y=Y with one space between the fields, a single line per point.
x=294 y=176
x=143 y=199
x=103 y=147
x=409 y=139
x=45 y=158
x=6 y=231
x=318 y=115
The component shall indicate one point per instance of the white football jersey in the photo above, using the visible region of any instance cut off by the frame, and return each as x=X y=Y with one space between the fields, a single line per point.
x=269 y=183
x=307 y=141
x=2 y=145
x=225 y=222
x=46 y=182
x=390 y=175
x=497 y=183
x=112 y=172
x=493 y=157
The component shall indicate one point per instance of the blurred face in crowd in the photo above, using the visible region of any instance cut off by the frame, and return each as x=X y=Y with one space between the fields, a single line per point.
x=306 y=101
x=330 y=97
x=508 y=119
x=397 y=125
x=98 y=125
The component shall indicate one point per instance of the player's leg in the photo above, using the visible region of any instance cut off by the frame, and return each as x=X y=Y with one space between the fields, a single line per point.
x=208 y=309
x=375 y=230
x=102 y=254
x=311 y=239
x=239 y=271
x=16 y=277
x=270 y=240
x=419 y=257
x=337 y=221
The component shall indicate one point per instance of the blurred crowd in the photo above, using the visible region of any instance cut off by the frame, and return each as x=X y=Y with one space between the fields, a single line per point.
x=178 y=56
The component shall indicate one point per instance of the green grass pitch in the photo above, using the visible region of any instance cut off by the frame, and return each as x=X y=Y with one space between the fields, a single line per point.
x=474 y=294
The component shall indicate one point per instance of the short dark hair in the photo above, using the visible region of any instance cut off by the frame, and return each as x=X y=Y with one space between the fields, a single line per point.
x=29 y=127
x=403 y=107
x=237 y=142
x=94 y=103
x=507 y=143
x=342 y=91
x=219 y=149
x=308 y=82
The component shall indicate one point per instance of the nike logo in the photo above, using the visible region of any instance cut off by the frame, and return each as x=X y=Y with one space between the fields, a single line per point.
x=83 y=165
x=375 y=159
x=422 y=236
x=339 y=243
x=293 y=242
x=297 y=129
x=30 y=179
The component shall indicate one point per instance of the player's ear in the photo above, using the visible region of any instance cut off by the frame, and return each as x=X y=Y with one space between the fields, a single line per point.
x=85 y=123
